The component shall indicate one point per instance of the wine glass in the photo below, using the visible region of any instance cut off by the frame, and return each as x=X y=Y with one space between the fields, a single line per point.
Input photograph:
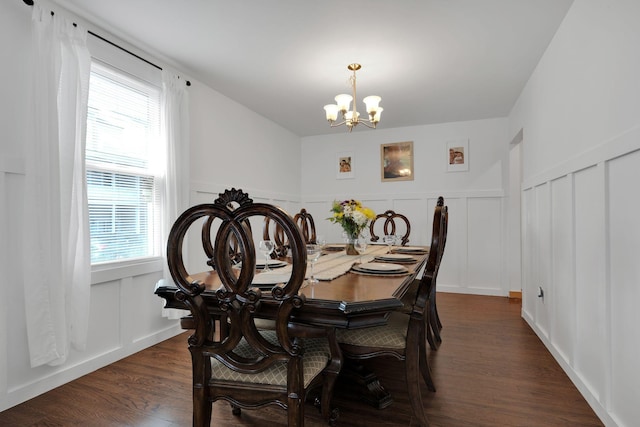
x=390 y=240
x=361 y=246
x=313 y=253
x=266 y=248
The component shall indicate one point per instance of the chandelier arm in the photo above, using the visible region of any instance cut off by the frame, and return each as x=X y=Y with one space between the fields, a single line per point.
x=368 y=123
x=335 y=125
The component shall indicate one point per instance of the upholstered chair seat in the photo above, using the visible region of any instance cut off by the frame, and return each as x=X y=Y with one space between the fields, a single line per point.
x=393 y=335
x=314 y=360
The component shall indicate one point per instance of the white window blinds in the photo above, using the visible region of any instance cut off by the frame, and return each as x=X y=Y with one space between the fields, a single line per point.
x=123 y=167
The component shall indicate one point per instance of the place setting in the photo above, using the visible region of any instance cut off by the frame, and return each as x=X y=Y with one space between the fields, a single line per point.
x=397 y=258
x=379 y=269
x=416 y=250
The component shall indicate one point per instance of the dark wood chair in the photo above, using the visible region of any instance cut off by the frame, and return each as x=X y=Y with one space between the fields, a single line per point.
x=238 y=363
x=307 y=226
x=273 y=231
x=434 y=318
x=389 y=223
x=405 y=335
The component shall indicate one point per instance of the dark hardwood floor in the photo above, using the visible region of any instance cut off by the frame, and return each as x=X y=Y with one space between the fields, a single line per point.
x=491 y=370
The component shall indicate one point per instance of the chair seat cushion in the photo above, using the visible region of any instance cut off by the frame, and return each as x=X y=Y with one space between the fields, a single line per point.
x=392 y=335
x=315 y=358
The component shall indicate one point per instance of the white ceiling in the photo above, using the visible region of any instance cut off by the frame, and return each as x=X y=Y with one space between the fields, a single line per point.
x=431 y=61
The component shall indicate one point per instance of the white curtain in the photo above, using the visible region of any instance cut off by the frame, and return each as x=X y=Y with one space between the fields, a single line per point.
x=57 y=267
x=174 y=122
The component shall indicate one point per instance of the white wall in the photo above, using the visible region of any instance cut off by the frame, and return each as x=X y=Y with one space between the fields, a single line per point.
x=231 y=146
x=580 y=116
x=476 y=245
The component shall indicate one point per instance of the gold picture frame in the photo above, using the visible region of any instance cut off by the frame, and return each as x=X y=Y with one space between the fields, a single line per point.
x=396 y=161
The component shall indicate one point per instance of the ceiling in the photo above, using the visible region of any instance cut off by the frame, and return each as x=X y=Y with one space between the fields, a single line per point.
x=431 y=61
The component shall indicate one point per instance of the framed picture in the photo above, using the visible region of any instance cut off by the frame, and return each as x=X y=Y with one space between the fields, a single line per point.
x=457 y=155
x=345 y=165
x=396 y=161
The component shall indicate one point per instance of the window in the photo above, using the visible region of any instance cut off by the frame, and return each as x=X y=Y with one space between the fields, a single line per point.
x=123 y=158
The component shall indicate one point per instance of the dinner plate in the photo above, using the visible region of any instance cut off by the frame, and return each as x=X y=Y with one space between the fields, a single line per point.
x=409 y=249
x=395 y=257
x=378 y=267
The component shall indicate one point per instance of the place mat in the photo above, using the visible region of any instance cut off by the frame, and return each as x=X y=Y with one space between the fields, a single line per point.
x=273 y=263
x=409 y=250
x=333 y=248
x=268 y=280
x=396 y=258
x=392 y=273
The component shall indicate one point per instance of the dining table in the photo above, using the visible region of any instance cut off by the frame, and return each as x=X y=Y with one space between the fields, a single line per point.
x=352 y=291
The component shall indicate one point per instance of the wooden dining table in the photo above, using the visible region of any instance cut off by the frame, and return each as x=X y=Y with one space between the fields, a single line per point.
x=350 y=300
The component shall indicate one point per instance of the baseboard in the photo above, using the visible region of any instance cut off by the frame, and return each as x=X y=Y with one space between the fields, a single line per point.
x=515 y=295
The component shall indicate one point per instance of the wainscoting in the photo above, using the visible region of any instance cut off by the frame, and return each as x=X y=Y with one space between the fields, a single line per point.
x=581 y=240
x=476 y=244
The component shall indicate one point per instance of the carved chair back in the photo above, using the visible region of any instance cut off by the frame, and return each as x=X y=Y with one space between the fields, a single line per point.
x=389 y=223
x=307 y=225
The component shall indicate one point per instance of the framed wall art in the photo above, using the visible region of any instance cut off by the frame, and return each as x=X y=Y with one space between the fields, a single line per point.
x=396 y=161
x=457 y=155
x=345 y=167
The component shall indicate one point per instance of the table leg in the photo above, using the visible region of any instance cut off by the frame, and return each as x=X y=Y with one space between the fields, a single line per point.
x=375 y=395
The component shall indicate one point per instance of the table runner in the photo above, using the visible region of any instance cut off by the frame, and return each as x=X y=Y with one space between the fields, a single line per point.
x=334 y=264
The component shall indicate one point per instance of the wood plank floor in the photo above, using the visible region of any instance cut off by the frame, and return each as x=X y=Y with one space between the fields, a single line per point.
x=491 y=370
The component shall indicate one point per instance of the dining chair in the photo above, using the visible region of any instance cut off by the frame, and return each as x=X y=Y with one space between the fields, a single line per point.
x=273 y=231
x=405 y=334
x=389 y=223
x=434 y=317
x=239 y=363
x=307 y=225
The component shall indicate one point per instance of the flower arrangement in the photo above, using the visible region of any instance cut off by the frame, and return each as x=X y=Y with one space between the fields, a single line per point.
x=352 y=216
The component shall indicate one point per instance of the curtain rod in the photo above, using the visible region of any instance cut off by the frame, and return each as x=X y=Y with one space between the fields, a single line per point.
x=30 y=3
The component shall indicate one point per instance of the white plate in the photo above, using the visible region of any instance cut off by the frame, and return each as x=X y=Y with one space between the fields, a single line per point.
x=409 y=249
x=381 y=266
x=395 y=257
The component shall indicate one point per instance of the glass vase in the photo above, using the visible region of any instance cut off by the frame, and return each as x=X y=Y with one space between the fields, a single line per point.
x=350 y=245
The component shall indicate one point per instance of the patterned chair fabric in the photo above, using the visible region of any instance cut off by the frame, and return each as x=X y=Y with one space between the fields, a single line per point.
x=280 y=365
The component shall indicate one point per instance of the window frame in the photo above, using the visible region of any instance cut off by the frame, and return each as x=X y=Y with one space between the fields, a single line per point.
x=122 y=62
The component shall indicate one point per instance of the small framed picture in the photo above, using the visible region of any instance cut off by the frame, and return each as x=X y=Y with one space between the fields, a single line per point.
x=345 y=165
x=457 y=155
x=396 y=161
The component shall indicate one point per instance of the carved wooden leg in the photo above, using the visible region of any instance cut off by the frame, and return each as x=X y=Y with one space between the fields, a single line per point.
x=376 y=395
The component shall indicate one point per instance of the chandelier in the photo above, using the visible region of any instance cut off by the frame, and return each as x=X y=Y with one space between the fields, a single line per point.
x=351 y=118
